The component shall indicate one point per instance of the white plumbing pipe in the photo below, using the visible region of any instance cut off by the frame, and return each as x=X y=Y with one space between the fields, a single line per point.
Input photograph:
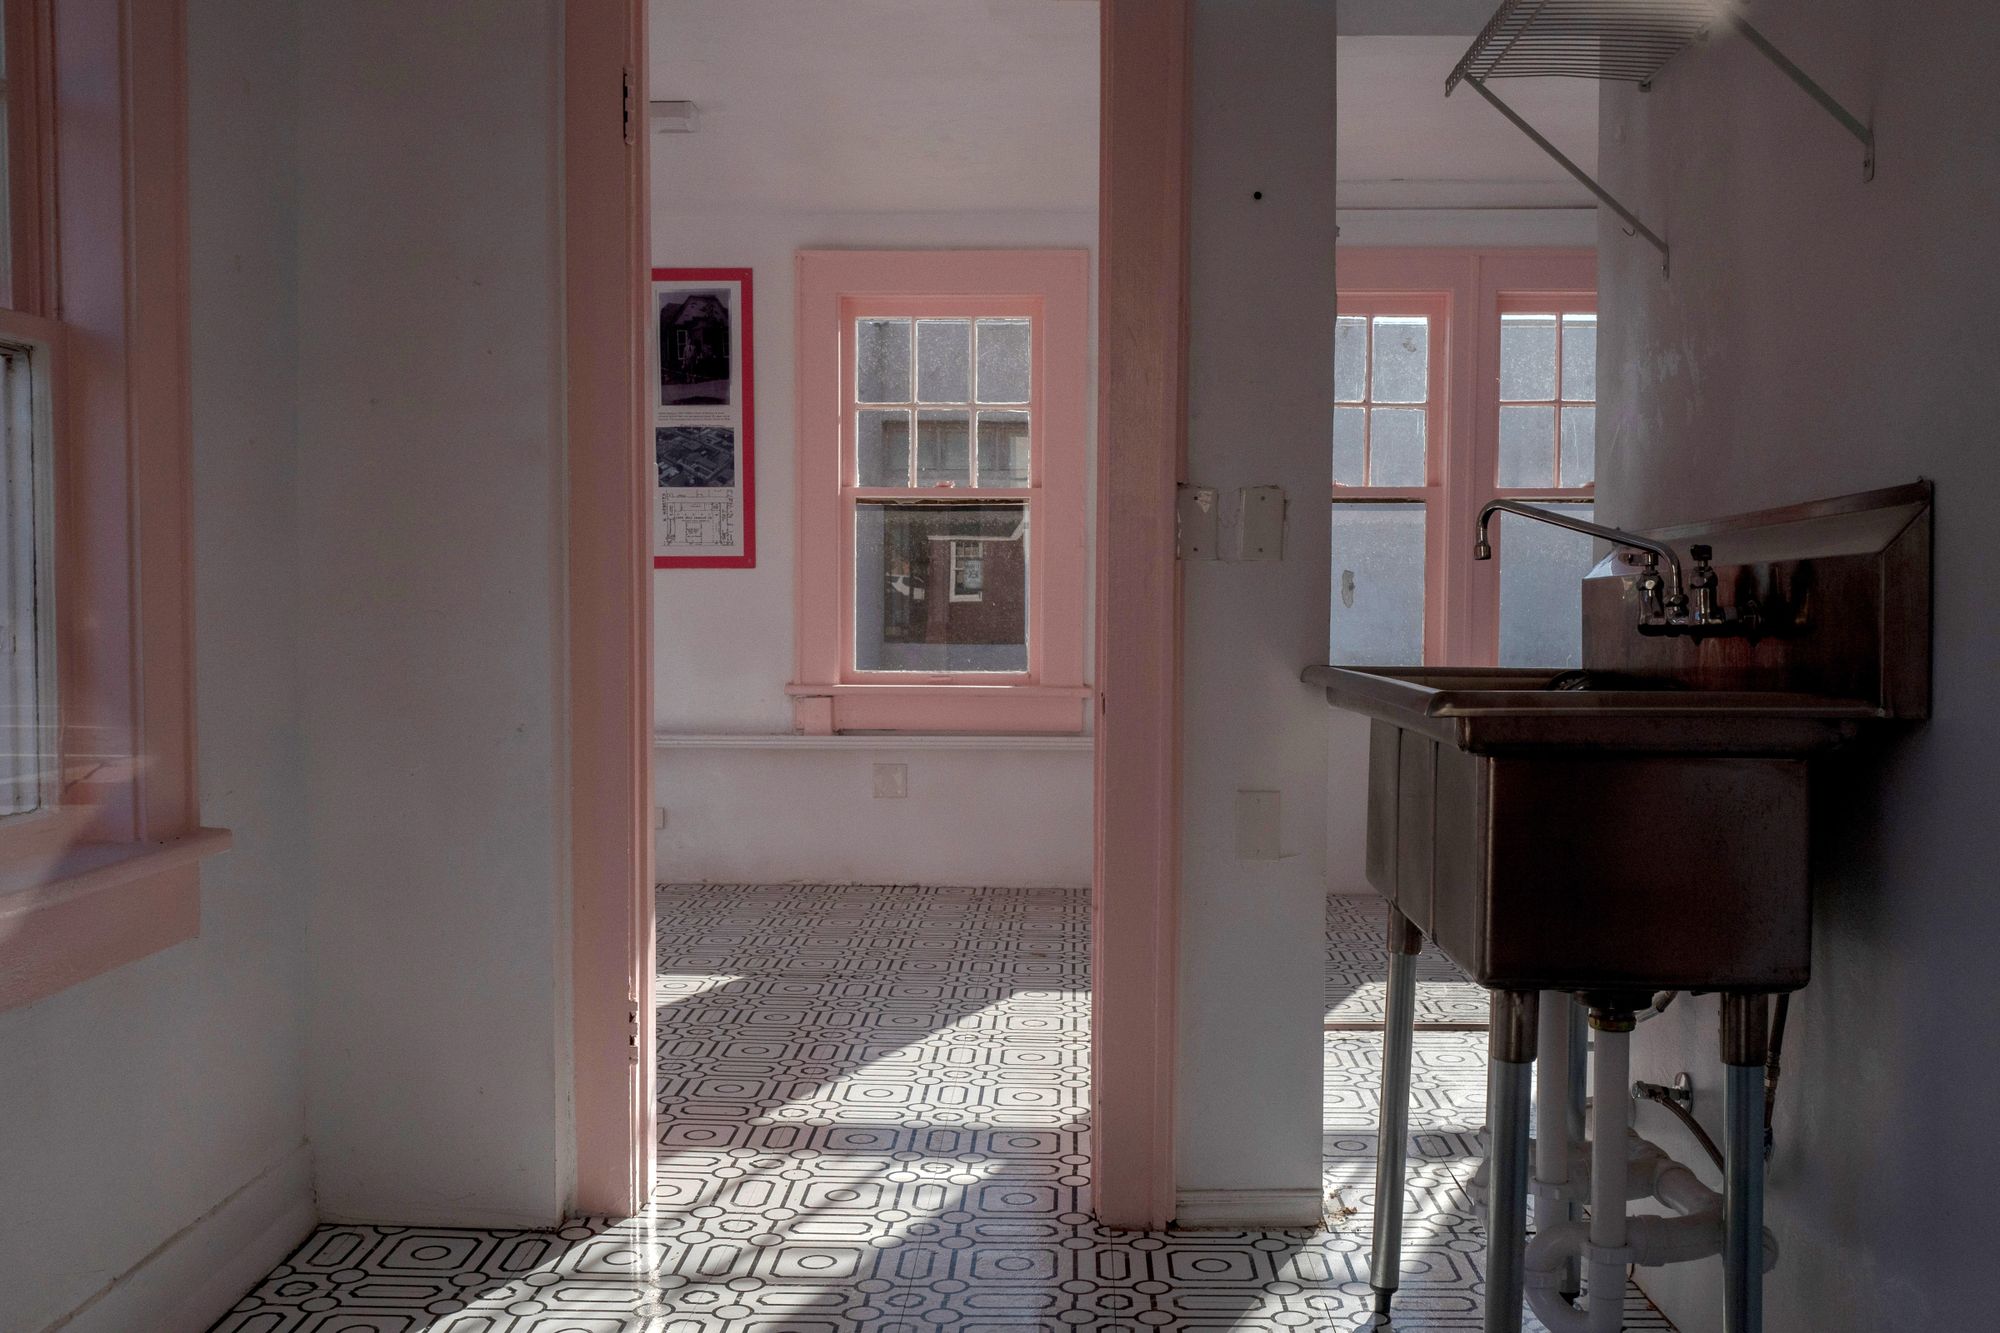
x=1552 y=1150
x=1653 y=1241
x=1610 y=1174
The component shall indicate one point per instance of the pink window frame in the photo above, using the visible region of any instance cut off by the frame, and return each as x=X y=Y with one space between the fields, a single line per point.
x=111 y=873
x=1462 y=596
x=1051 y=288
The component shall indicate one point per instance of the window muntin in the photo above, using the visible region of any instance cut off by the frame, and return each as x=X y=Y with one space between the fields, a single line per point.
x=28 y=696
x=936 y=378
x=1388 y=401
x=1410 y=475
x=941 y=403
x=1548 y=400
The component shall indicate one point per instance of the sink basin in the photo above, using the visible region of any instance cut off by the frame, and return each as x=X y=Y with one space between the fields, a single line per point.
x=1499 y=710
x=1621 y=841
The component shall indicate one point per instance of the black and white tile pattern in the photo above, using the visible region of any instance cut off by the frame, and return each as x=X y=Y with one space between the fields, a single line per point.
x=874 y=1117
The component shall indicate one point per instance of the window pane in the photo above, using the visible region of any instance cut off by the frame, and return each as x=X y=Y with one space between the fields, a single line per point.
x=1396 y=446
x=1402 y=359
x=944 y=360
x=1350 y=440
x=1527 y=357
x=1579 y=446
x=882 y=361
x=1004 y=346
x=1350 y=359
x=22 y=585
x=944 y=449
x=1527 y=446
x=1003 y=448
x=1378 y=584
x=1579 y=358
x=940 y=587
x=882 y=448
x=1541 y=590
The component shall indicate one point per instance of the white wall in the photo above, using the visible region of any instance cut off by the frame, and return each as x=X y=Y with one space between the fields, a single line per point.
x=429 y=486
x=898 y=124
x=155 y=1115
x=1820 y=336
x=1260 y=411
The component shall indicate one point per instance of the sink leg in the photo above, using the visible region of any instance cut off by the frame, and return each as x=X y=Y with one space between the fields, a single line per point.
x=1511 y=1051
x=1392 y=1123
x=1552 y=1136
x=1745 y=1039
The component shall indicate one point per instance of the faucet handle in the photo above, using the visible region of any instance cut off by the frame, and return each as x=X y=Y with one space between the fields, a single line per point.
x=1701 y=554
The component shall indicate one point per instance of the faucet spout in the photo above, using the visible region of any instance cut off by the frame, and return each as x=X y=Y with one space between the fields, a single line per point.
x=1676 y=597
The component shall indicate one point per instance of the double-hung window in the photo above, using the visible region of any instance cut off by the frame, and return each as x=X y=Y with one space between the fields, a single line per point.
x=1461 y=377
x=941 y=447
x=100 y=840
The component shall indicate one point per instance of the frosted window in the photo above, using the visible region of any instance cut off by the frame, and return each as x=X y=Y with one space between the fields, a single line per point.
x=940 y=587
x=1378 y=585
x=1579 y=446
x=1350 y=445
x=882 y=448
x=1402 y=359
x=1527 y=446
x=1350 y=359
x=882 y=361
x=1579 y=358
x=27 y=687
x=1527 y=357
x=1003 y=448
x=944 y=452
x=1541 y=590
x=1396 y=446
x=944 y=360
x=1004 y=348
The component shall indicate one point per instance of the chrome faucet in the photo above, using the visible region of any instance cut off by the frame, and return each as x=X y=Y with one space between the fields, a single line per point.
x=1663 y=602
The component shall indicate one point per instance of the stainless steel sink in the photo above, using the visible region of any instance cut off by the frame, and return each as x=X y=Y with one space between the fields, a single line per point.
x=1637 y=839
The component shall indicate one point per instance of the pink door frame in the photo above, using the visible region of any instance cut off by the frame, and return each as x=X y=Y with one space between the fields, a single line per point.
x=610 y=602
x=1142 y=455
x=1142 y=322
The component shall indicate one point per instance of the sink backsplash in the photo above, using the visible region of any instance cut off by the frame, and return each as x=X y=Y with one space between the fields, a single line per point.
x=1840 y=589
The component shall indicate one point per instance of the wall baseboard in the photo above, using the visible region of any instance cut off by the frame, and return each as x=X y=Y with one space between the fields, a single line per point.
x=1250 y=1209
x=200 y=1271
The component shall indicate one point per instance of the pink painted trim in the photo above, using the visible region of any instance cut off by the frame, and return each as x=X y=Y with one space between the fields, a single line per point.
x=116 y=117
x=1141 y=455
x=747 y=560
x=611 y=475
x=834 y=288
x=99 y=907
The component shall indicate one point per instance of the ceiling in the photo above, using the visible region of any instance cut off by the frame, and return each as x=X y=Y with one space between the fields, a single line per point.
x=878 y=105
x=967 y=105
x=1403 y=144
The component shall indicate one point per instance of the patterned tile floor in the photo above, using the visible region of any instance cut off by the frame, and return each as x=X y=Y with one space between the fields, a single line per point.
x=873 y=1118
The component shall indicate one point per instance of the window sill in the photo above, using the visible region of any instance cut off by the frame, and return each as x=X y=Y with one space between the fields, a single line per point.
x=70 y=917
x=1021 y=710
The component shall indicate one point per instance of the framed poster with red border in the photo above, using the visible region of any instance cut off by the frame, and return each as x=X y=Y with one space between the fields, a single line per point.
x=704 y=421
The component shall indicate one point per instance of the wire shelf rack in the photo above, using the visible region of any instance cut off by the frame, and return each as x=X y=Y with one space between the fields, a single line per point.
x=1625 y=41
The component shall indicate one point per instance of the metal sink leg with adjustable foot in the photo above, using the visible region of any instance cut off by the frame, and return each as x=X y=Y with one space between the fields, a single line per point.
x=1392 y=1124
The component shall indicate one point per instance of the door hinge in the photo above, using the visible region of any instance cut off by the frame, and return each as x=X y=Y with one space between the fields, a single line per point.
x=628 y=103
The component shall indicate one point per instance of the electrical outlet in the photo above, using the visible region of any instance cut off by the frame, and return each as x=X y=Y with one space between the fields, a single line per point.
x=892 y=782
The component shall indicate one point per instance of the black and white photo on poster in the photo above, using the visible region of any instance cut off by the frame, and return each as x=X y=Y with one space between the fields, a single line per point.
x=695 y=456
x=696 y=358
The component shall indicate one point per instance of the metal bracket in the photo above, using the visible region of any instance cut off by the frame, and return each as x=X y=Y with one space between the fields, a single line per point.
x=1583 y=177
x=1848 y=120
